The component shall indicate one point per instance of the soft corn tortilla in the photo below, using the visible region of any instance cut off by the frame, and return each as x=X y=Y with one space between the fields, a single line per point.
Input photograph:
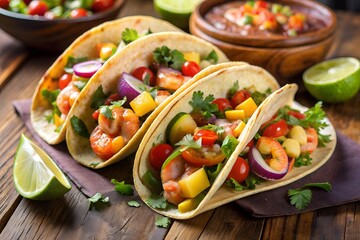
x=218 y=84
x=84 y=46
x=136 y=54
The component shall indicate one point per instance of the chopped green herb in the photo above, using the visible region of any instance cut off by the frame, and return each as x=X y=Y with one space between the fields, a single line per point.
x=212 y=57
x=134 y=203
x=213 y=172
x=234 y=88
x=122 y=188
x=79 y=127
x=94 y=164
x=129 y=35
x=259 y=97
x=203 y=105
x=188 y=141
x=303 y=159
x=228 y=146
x=169 y=58
x=301 y=197
x=97 y=201
x=235 y=185
x=119 y=103
x=106 y=111
x=218 y=129
x=163 y=222
x=98 y=98
x=79 y=84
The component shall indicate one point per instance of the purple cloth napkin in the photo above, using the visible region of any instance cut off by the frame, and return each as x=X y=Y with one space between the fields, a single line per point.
x=341 y=171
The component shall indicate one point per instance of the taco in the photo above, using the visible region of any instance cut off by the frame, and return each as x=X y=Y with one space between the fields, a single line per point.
x=113 y=113
x=184 y=166
x=64 y=80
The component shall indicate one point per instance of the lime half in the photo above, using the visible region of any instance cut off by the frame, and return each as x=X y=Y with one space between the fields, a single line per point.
x=335 y=80
x=176 y=11
x=35 y=174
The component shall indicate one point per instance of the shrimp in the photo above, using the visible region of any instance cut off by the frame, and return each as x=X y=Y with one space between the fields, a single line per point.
x=279 y=160
x=111 y=135
x=66 y=98
x=228 y=126
x=171 y=174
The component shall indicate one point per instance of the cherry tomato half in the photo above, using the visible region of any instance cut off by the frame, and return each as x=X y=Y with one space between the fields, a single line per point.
x=78 y=13
x=37 y=8
x=240 y=170
x=239 y=97
x=296 y=114
x=144 y=74
x=158 y=154
x=190 y=68
x=4 y=4
x=223 y=104
x=208 y=137
x=112 y=98
x=197 y=158
x=64 y=80
x=277 y=129
x=101 y=5
x=95 y=115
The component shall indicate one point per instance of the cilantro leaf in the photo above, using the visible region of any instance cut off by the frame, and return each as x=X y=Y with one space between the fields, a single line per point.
x=228 y=146
x=122 y=188
x=98 y=98
x=79 y=84
x=51 y=96
x=79 y=127
x=158 y=202
x=163 y=222
x=212 y=57
x=188 y=141
x=106 y=111
x=134 y=203
x=98 y=200
x=218 y=129
x=303 y=159
x=71 y=61
x=169 y=58
x=129 y=35
x=234 y=88
x=259 y=97
x=203 y=105
x=213 y=173
x=249 y=183
x=235 y=185
x=301 y=197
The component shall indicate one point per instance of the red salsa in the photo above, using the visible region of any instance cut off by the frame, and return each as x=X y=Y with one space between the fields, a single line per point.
x=262 y=18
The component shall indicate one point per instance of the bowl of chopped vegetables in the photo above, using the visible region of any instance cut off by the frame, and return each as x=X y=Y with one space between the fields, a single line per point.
x=52 y=25
x=283 y=36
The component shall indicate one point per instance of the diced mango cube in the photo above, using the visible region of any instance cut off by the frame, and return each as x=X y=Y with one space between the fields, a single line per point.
x=117 y=144
x=249 y=107
x=194 y=184
x=143 y=104
x=240 y=127
x=188 y=205
x=192 y=56
x=58 y=120
x=233 y=115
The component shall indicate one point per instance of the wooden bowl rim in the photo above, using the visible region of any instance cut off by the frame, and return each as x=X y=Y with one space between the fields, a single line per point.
x=37 y=19
x=280 y=40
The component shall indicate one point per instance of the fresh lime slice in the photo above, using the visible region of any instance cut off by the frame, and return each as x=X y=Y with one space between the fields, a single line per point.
x=35 y=174
x=176 y=11
x=335 y=80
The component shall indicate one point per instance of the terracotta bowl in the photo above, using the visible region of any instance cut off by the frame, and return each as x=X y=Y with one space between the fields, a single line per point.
x=52 y=35
x=285 y=57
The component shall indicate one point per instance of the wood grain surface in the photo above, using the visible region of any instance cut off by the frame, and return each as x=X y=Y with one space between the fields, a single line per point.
x=70 y=217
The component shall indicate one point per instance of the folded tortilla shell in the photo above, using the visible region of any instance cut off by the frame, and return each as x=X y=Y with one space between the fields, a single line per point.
x=218 y=84
x=84 y=46
x=136 y=54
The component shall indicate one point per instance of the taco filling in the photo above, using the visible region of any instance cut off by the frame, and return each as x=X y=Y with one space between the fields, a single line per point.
x=76 y=74
x=120 y=115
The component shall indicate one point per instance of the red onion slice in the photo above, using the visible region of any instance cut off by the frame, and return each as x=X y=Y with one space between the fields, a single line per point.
x=261 y=168
x=130 y=87
x=86 y=69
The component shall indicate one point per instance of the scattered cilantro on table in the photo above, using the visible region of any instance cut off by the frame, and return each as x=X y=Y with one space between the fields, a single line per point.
x=163 y=222
x=123 y=188
x=301 y=197
x=97 y=201
x=134 y=203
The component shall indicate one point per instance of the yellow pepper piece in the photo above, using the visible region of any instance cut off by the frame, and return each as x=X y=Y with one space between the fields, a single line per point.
x=194 y=184
x=249 y=106
x=240 y=127
x=188 y=205
x=143 y=104
x=192 y=56
x=58 y=120
x=233 y=115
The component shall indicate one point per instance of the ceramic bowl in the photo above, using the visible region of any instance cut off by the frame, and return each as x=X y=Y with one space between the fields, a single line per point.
x=283 y=56
x=52 y=35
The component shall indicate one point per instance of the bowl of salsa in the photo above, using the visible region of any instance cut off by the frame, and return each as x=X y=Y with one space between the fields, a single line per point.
x=267 y=28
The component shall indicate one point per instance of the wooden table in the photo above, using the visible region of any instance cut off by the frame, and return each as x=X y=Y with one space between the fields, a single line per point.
x=69 y=218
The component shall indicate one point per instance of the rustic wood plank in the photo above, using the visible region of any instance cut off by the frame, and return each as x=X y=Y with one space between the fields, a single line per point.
x=13 y=53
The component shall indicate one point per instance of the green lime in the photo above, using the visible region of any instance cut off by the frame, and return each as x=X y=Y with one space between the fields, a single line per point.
x=176 y=11
x=35 y=174
x=335 y=80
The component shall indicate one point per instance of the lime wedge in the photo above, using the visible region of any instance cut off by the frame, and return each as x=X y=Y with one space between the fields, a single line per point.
x=335 y=80
x=176 y=11
x=35 y=174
